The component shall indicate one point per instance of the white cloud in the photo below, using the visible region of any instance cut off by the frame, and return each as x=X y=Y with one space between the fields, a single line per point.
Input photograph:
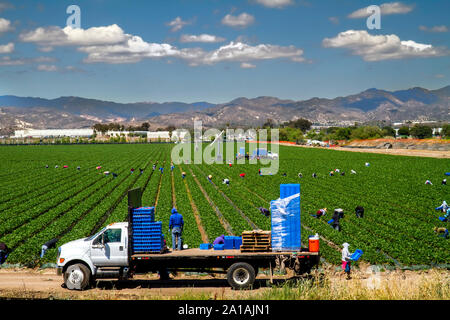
x=385 y=8
x=275 y=3
x=47 y=68
x=55 y=36
x=241 y=21
x=5 y=25
x=205 y=38
x=7 y=48
x=177 y=24
x=381 y=47
x=8 y=61
x=434 y=29
x=246 y=65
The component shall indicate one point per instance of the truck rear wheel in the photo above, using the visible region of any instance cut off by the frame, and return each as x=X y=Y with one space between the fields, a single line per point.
x=77 y=277
x=241 y=276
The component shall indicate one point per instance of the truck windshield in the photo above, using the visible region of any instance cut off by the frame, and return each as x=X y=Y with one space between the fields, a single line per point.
x=95 y=235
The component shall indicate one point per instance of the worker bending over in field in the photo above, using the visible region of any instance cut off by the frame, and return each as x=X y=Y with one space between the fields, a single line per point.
x=346 y=260
x=335 y=223
x=183 y=174
x=4 y=252
x=226 y=181
x=444 y=182
x=300 y=175
x=176 y=225
x=428 y=182
x=49 y=244
x=359 y=211
x=320 y=213
x=442 y=232
x=443 y=207
x=314 y=175
x=264 y=211
x=353 y=171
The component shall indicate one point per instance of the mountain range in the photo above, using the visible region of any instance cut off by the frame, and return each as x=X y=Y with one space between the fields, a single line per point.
x=370 y=105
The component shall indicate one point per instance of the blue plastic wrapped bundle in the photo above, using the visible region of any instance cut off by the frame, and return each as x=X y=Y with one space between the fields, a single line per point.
x=356 y=255
x=285 y=222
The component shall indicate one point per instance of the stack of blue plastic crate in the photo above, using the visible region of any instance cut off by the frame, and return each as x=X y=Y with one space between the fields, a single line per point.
x=232 y=242
x=147 y=234
x=285 y=223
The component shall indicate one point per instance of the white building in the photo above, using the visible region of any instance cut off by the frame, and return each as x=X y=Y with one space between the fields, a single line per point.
x=180 y=135
x=159 y=135
x=52 y=133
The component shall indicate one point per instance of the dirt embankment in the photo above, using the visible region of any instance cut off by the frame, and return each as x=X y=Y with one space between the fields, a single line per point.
x=365 y=284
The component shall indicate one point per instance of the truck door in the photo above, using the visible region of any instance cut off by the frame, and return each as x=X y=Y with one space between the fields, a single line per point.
x=109 y=249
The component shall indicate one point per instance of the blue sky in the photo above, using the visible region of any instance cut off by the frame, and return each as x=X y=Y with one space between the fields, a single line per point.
x=212 y=50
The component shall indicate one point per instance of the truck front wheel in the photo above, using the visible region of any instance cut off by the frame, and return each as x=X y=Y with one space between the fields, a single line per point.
x=241 y=275
x=77 y=277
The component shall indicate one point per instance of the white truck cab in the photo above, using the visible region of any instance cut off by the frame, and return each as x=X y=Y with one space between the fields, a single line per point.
x=80 y=259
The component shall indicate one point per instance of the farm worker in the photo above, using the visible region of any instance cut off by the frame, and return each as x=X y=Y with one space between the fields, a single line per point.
x=444 y=206
x=219 y=240
x=65 y=166
x=4 y=251
x=226 y=181
x=114 y=175
x=314 y=175
x=444 y=182
x=49 y=244
x=335 y=224
x=106 y=173
x=132 y=170
x=340 y=212
x=353 y=171
x=300 y=175
x=346 y=260
x=141 y=171
x=442 y=232
x=56 y=167
x=320 y=213
x=264 y=211
x=98 y=168
x=161 y=169
x=359 y=210
x=342 y=173
x=428 y=182
x=331 y=173
x=259 y=171
x=242 y=175
x=367 y=164
x=209 y=178
x=78 y=168
x=172 y=167
x=183 y=174
x=154 y=167
x=230 y=164
x=284 y=174
x=46 y=166
x=176 y=224
x=337 y=170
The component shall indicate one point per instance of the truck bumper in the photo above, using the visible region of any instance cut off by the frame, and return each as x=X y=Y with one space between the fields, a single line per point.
x=59 y=271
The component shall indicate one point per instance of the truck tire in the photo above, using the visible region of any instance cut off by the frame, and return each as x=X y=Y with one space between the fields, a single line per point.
x=241 y=276
x=77 y=277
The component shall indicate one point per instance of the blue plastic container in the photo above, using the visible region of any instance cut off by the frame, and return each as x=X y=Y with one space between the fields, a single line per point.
x=442 y=219
x=356 y=255
x=237 y=242
x=205 y=246
x=228 y=242
x=219 y=246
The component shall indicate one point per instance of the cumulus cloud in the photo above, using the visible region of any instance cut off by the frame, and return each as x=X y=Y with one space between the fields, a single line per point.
x=5 y=25
x=111 y=45
x=241 y=21
x=177 y=24
x=381 y=47
x=434 y=29
x=7 y=48
x=275 y=3
x=385 y=8
x=204 y=38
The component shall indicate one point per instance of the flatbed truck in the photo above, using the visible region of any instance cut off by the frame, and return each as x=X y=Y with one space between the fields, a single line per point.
x=108 y=255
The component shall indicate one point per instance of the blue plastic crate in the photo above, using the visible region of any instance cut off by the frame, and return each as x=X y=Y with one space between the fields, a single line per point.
x=237 y=242
x=356 y=255
x=219 y=246
x=205 y=246
x=228 y=242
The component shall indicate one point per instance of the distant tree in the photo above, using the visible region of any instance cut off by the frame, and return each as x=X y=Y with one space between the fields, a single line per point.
x=302 y=124
x=421 y=131
x=368 y=132
x=445 y=132
x=269 y=123
x=388 y=131
x=403 y=131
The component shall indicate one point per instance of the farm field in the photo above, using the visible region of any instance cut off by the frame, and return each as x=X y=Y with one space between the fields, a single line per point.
x=39 y=203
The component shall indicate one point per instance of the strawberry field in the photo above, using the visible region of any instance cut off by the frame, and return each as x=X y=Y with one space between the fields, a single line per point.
x=39 y=203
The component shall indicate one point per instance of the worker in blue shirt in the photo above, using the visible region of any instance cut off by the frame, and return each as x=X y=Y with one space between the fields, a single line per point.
x=176 y=224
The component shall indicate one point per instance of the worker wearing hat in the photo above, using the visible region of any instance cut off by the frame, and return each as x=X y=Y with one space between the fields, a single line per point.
x=176 y=225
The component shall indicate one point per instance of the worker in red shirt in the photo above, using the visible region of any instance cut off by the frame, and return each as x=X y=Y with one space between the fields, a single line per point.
x=242 y=175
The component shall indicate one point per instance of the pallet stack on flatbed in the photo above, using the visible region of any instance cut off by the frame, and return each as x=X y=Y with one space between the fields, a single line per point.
x=255 y=241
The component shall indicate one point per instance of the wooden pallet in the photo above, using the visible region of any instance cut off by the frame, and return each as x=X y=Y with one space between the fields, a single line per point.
x=255 y=241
